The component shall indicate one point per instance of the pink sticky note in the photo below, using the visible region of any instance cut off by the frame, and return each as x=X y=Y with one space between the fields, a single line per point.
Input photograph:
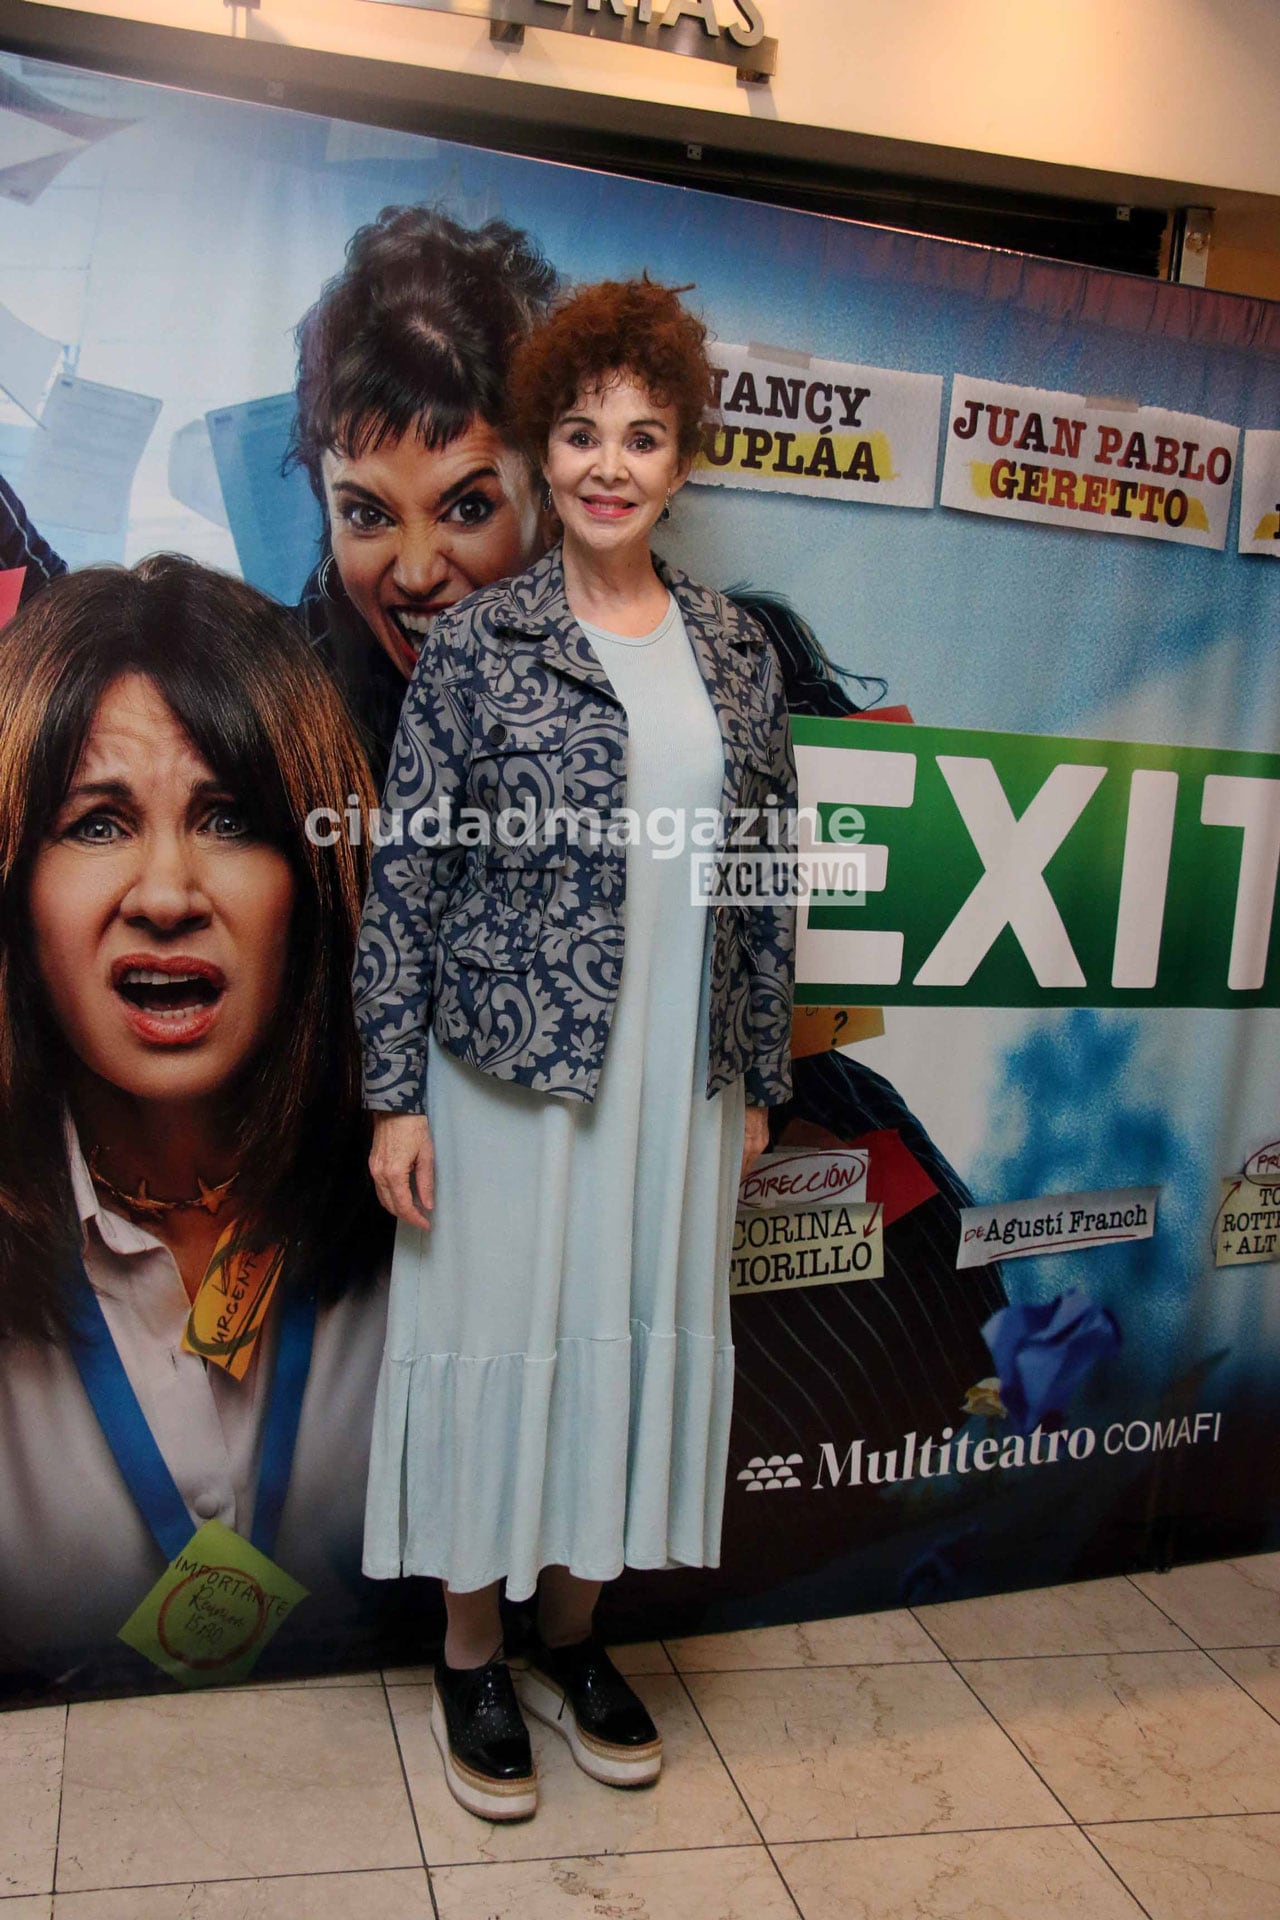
x=11 y=580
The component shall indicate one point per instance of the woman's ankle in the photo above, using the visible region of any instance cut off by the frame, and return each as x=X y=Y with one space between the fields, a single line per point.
x=566 y=1608
x=556 y=1642
x=463 y=1653
x=473 y=1631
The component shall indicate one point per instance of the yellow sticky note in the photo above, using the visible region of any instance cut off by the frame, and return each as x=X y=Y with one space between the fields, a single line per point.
x=213 y=1609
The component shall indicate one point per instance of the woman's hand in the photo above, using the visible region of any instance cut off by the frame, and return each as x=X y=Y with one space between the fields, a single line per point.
x=756 y=1138
x=403 y=1165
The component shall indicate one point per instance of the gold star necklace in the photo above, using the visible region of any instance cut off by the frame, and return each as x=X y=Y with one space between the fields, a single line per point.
x=150 y=1206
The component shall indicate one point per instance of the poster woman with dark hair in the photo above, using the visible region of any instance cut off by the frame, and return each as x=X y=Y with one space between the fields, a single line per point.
x=596 y=1051
x=402 y=429
x=180 y=1128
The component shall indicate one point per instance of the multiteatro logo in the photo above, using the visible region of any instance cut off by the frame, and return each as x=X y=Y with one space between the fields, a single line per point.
x=853 y=1464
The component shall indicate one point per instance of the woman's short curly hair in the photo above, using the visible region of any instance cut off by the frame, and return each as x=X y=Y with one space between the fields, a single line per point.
x=634 y=328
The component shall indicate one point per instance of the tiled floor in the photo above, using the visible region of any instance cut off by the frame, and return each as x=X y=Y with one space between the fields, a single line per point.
x=1097 y=1752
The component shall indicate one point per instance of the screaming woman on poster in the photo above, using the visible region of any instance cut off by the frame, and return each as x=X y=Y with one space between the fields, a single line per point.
x=179 y=1109
x=596 y=1053
x=401 y=427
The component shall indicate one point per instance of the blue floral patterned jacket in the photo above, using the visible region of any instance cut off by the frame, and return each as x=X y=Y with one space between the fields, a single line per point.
x=512 y=954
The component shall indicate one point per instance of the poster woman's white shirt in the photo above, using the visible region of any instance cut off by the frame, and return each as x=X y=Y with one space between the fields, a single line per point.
x=75 y=1553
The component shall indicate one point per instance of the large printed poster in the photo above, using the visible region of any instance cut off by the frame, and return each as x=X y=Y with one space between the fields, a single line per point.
x=1005 y=1300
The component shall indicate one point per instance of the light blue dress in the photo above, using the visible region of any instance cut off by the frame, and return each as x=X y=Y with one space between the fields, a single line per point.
x=558 y=1376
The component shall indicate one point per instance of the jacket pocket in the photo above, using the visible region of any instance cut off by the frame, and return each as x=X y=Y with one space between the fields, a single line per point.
x=518 y=783
x=486 y=933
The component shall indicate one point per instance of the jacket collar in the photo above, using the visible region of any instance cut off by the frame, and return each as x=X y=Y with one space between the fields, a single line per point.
x=535 y=606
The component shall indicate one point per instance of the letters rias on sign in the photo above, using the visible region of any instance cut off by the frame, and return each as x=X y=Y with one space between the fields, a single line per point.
x=1024 y=453
x=729 y=31
x=1019 y=870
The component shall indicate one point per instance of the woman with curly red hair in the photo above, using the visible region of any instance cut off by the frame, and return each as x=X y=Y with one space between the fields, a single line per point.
x=596 y=1049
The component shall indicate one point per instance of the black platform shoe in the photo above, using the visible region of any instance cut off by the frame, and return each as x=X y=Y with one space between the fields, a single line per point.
x=483 y=1741
x=578 y=1691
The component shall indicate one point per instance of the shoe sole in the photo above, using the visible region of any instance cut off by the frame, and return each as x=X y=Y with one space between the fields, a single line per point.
x=612 y=1765
x=487 y=1799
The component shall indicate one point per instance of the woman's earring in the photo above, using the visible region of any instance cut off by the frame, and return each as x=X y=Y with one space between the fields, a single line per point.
x=324 y=579
x=666 y=511
x=548 y=503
